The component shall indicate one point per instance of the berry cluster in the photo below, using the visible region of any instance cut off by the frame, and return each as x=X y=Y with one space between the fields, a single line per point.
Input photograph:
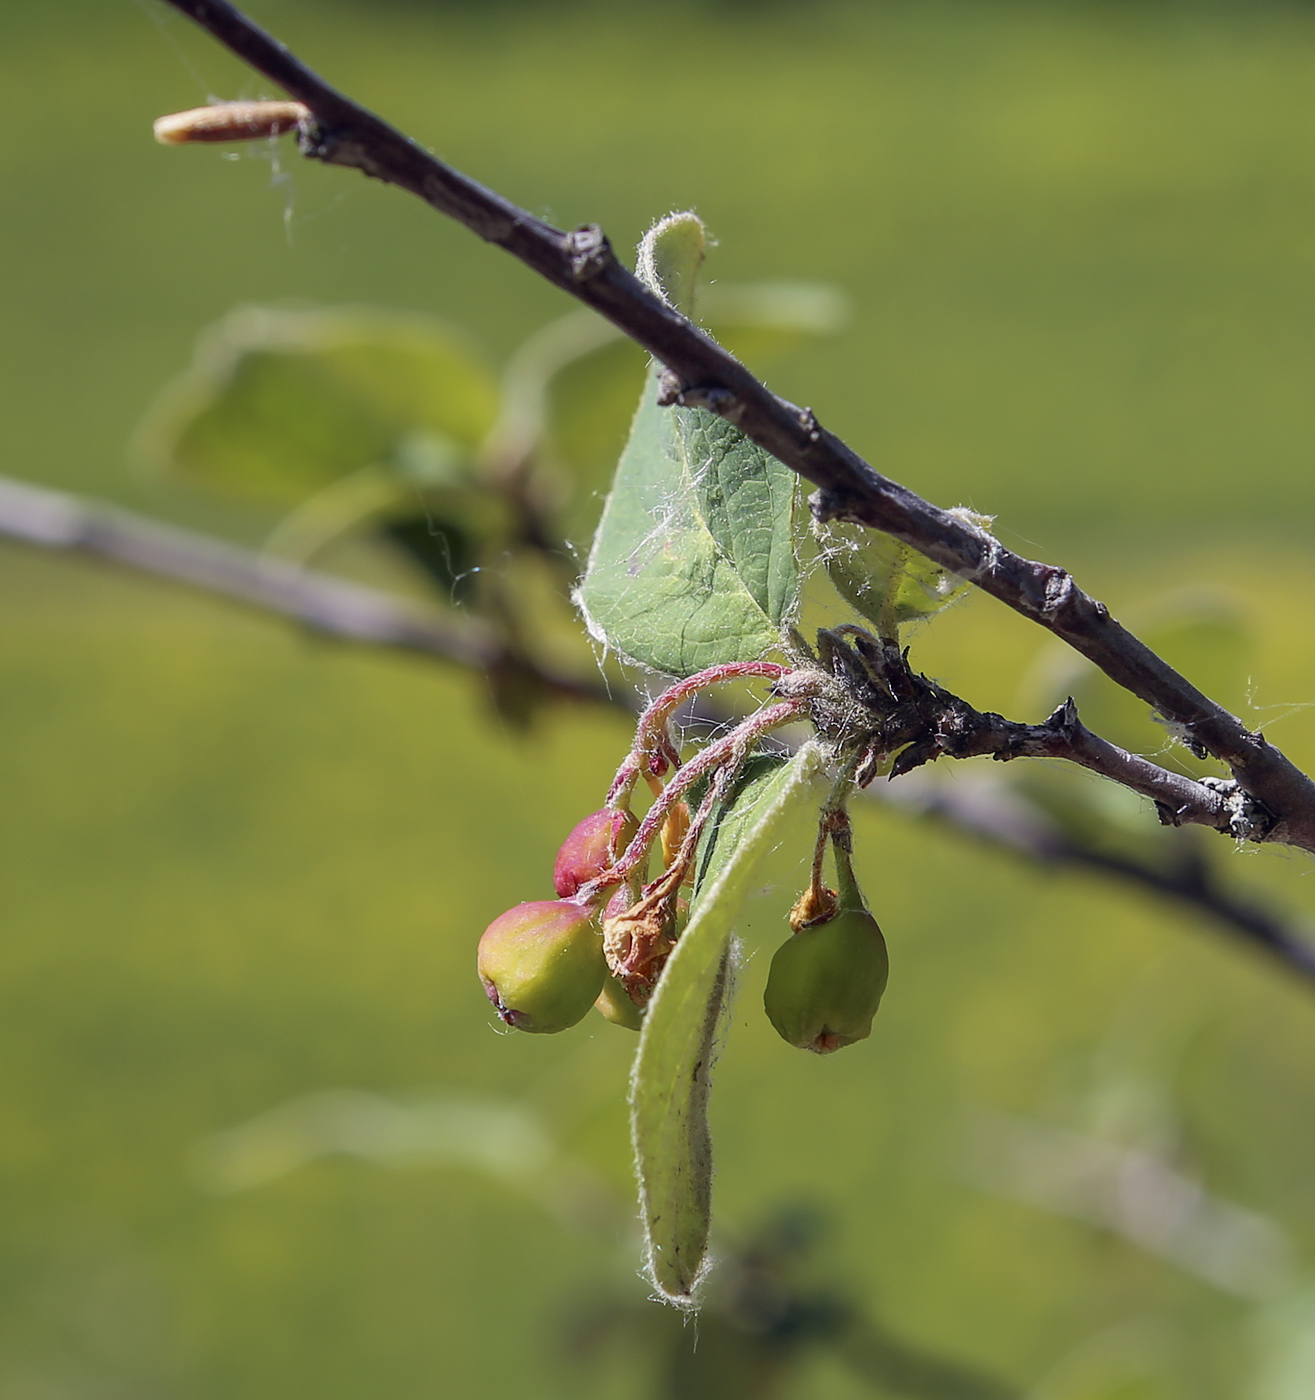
x=604 y=940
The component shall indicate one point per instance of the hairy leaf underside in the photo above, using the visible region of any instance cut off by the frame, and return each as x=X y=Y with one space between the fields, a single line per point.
x=670 y=1081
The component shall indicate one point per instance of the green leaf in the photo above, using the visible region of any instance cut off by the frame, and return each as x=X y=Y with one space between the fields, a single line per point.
x=670 y=255
x=888 y=582
x=693 y=563
x=279 y=404
x=670 y=1081
x=694 y=560
x=578 y=376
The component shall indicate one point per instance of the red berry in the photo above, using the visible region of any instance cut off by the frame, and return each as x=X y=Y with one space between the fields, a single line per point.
x=591 y=848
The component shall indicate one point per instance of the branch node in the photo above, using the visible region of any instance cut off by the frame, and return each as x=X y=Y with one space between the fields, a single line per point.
x=670 y=388
x=314 y=139
x=589 y=251
x=1059 y=589
x=1245 y=818
x=712 y=397
x=1065 y=720
x=914 y=756
x=830 y=503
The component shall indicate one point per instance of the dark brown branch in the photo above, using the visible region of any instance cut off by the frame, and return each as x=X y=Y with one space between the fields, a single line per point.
x=333 y=607
x=867 y=702
x=582 y=263
x=1179 y=800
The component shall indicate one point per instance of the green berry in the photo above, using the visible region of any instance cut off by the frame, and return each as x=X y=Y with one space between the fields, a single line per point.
x=542 y=964
x=615 y=1003
x=826 y=981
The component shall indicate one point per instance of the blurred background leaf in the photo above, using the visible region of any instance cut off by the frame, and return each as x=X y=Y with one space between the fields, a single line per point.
x=281 y=403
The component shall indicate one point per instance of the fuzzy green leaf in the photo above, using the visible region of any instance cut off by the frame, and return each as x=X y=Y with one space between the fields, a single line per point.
x=694 y=561
x=670 y=1081
x=575 y=380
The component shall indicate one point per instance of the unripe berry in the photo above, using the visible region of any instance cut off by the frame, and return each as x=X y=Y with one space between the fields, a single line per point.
x=826 y=981
x=542 y=964
x=591 y=848
x=615 y=1003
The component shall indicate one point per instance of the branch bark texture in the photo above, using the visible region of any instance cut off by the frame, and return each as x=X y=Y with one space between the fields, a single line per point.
x=867 y=701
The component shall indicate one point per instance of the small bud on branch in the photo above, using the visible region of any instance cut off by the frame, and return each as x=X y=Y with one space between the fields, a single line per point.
x=230 y=121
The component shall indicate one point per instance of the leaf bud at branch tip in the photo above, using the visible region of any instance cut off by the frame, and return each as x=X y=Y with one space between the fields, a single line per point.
x=542 y=964
x=230 y=121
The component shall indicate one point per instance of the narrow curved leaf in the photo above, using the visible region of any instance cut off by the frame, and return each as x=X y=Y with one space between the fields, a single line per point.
x=670 y=1081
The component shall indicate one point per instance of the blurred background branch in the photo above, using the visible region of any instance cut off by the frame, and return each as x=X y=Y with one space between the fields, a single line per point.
x=328 y=605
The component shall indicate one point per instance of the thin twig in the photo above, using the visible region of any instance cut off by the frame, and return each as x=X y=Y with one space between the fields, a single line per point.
x=1179 y=800
x=867 y=701
x=581 y=262
x=333 y=607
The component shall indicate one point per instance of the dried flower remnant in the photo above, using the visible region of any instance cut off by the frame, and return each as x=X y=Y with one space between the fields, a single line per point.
x=827 y=979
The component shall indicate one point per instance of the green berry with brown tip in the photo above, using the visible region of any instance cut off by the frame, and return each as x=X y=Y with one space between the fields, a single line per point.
x=542 y=964
x=826 y=981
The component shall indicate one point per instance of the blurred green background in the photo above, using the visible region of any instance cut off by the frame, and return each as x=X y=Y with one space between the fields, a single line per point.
x=239 y=867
